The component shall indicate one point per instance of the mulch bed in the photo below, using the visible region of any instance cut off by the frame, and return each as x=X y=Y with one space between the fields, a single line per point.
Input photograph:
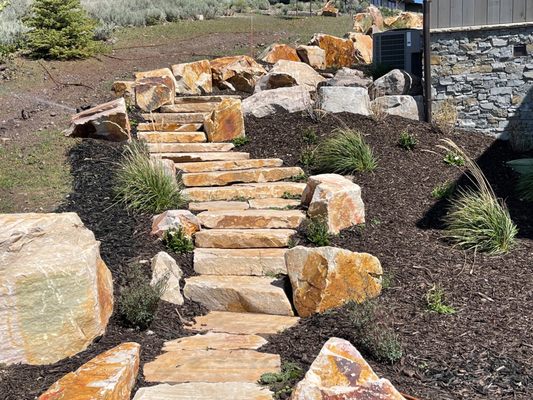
x=482 y=351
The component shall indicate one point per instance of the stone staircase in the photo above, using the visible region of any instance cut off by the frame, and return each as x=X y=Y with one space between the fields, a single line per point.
x=246 y=208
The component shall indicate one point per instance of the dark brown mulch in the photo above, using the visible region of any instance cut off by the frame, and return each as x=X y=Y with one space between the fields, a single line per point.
x=125 y=240
x=483 y=351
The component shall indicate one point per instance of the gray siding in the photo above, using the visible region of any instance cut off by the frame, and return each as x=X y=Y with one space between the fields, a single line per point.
x=459 y=13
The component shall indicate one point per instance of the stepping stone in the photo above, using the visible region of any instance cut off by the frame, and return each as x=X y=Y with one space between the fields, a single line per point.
x=207 y=156
x=273 y=203
x=205 y=391
x=243 y=238
x=172 y=137
x=218 y=205
x=245 y=191
x=222 y=178
x=202 y=99
x=210 y=366
x=168 y=127
x=189 y=147
x=180 y=118
x=243 y=323
x=258 y=262
x=251 y=219
x=210 y=166
x=189 y=107
x=216 y=341
x=238 y=294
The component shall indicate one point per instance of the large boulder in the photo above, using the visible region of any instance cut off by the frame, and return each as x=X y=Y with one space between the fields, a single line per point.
x=335 y=199
x=236 y=73
x=337 y=99
x=348 y=77
x=340 y=372
x=56 y=293
x=108 y=376
x=339 y=52
x=106 y=121
x=193 y=78
x=312 y=55
x=124 y=89
x=153 y=92
x=290 y=73
x=289 y=99
x=165 y=268
x=175 y=219
x=329 y=10
x=276 y=52
x=377 y=18
x=395 y=82
x=363 y=46
x=362 y=23
x=403 y=106
x=226 y=121
x=328 y=277
x=406 y=20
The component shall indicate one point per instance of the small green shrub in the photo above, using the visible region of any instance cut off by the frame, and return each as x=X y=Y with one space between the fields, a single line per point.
x=452 y=158
x=308 y=158
x=317 y=232
x=525 y=186
x=143 y=185
x=138 y=302
x=310 y=136
x=177 y=241
x=407 y=141
x=282 y=383
x=240 y=141
x=443 y=190
x=299 y=178
x=435 y=300
x=345 y=153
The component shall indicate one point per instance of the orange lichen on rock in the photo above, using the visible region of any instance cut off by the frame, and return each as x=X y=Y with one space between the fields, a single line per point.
x=339 y=52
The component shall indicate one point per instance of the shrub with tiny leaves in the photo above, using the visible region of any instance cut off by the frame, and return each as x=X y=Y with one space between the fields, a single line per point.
x=407 y=141
x=317 y=232
x=177 y=241
x=240 y=141
x=435 y=299
x=452 y=158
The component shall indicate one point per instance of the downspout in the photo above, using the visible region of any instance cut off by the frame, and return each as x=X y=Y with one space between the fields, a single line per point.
x=427 y=61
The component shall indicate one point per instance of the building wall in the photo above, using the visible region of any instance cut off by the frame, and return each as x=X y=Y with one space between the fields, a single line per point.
x=485 y=75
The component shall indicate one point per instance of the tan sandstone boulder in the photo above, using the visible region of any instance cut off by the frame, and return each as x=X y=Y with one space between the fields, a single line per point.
x=327 y=277
x=290 y=73
x=164 y=267
x=329 y=10
x=339 y=52
x=125 y=89
x=164 y=73
x=276 y=52
x=335 y=199
x=312 y=55
x=109 y=376
x=377 y=18
x=56 y=293
x=363 y=46
x=405 y=20
x=362 y=23
x=175 y=219
x=193 y=78
x=106 y=121
x=340 y=372
x=152 y=93
x=226 y=121
x=236 y=73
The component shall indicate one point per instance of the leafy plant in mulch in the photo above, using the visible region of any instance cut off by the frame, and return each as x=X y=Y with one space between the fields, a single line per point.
x=308 y=158
x=177 y=241
x=436 y=301
x=477 y=218
x=240 y=141
x=345 y=153
x=281 y=384
x=310 y=136
x=443 y=190
x=138 y=302
x=143 y=185
x=317 y=232
x=452 y=158
x=407 y=141
x=524 y=186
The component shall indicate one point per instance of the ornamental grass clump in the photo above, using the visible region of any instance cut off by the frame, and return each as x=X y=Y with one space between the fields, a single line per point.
x=143 y=184
x=477 y=219
x=345 y=153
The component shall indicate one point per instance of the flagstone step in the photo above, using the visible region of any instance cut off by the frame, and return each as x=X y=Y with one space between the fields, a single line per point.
x=238 y=294
x=189 y=147
x=189 y=107
x=210 y=166
x=215 y=341
x=218 y=205
x=210 y=366
x=168 y=127
x=172 y=137
x=243 y=238
x=245 y=191
x=204 y=99
x=222 y=178
x=205 y=391
x=179 y=118
x=275 y=203
x=251 y=219
x=242 y=323
x=250 y=262
x=207 y=156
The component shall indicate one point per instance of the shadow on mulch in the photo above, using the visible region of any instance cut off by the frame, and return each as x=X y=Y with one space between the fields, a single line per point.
x=125 y=239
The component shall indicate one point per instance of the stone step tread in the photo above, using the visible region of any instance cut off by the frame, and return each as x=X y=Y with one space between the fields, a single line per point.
x=255 y=294
x=245 y=191
x=180 y=118
x=189 y=147
x=210 y=366
x=218 y=205
x=172 y=137
x=249 y=262
x=205 y=156
x=210 y=166
x=243 y=238
x=167 y=127
x=189 y=107
x=205 y=391
x=215 y=341
x=203 y=99
x=242 y=323
x=276 y=203
x=222 y=178
x=252 y=219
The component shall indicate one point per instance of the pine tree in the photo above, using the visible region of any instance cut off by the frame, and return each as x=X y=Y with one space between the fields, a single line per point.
x=60 y=29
